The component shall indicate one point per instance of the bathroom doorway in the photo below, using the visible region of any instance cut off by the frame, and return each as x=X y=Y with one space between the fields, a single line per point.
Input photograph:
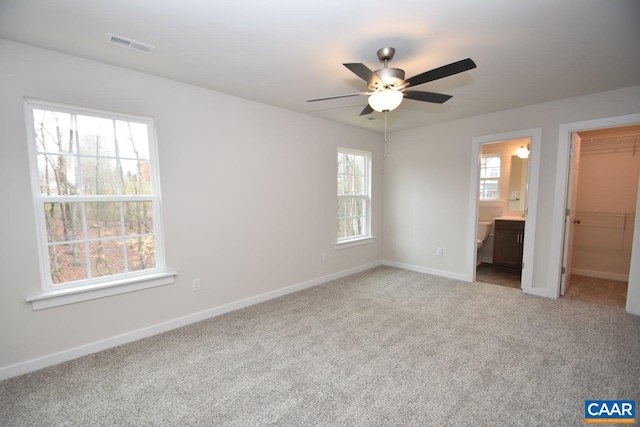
x=502 y=207
x=601 y=212
x=523 y=262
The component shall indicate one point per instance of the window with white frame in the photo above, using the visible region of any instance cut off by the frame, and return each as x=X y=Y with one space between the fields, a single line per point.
x=490 y=177
x=95 y=185
x=354 y=194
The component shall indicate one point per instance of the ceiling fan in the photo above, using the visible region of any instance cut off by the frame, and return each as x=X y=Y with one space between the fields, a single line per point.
x=388 y=86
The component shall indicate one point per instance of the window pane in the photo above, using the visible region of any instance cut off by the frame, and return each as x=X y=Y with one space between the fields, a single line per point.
x=358 y=185
x=361 y=225
x=107 y=257
x=54 y=132
x=354 y=206
x=341 y=228
x=341 y=207
x=136 y=177
x=340 y=185
x=353 y=227
x=490 y=166
x=347 y=184
x=58 y=174
x=489 y=189
x=138 y=217
x=358 y=165
x=64 y=221
x=103 y=219
x=141 y=253
x=133 y=139
x=68 y=263
x=359 y=207
x=493 y=162
x=95 y=136
x=348 y=165
x=341 y=162
x=99 y=176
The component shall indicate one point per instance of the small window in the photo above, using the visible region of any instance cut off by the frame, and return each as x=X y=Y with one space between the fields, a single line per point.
x=354 y=194
x=96 y=193
x=490 y=177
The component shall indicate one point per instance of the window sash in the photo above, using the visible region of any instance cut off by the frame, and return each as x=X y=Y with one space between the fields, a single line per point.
x=41 y=201
x=486 y=178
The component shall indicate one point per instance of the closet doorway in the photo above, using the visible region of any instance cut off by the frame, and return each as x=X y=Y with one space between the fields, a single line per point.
x=602 y=196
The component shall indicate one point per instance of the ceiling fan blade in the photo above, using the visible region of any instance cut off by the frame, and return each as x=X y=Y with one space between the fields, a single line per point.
x=441 y=72
x=338 y=96
x=367 y=110
x=416 y=95
x=362 y=71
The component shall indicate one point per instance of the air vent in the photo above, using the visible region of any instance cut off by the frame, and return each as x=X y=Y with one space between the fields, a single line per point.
x=129 y=44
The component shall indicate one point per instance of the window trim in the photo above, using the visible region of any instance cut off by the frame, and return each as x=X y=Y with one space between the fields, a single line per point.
x=58 y=297
x=117 y=283
x=351 y=241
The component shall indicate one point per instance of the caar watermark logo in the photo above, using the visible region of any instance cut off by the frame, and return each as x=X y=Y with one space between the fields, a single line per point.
x=610 y=411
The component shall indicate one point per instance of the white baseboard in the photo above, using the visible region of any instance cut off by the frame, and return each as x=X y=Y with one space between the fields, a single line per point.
x=600 y=274
x=426 y=270
x=74 y=353
x=486 y=259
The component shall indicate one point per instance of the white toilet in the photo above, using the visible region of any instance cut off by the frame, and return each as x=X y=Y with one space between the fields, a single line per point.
x=483 y=232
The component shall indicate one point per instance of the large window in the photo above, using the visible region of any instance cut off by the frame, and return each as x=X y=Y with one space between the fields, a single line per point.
x=96 y=193
x=354 y=194
x=490 y=177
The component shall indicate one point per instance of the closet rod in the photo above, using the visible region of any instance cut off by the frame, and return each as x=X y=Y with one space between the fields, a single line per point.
x=618 y=138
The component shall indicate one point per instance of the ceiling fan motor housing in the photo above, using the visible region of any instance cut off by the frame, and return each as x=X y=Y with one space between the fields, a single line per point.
x=391 y=77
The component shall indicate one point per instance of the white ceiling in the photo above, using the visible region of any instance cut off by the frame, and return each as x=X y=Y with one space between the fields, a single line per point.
x=282 y=52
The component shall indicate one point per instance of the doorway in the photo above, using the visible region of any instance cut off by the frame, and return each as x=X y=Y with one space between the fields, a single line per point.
x=600 y=219
x=526 y=237
x=502 y=207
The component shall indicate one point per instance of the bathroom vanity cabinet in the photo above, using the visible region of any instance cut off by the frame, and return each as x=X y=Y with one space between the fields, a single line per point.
x=508 y=244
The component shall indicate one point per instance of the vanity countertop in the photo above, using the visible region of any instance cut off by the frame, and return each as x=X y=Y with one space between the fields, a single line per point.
x=509 y=218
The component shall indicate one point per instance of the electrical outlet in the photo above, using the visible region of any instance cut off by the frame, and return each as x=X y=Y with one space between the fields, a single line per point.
x=439 y=251
x=324 y=256
x=196 y=285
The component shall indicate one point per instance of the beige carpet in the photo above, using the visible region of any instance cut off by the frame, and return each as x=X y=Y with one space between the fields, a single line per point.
x=597 y=291
x=385 y=347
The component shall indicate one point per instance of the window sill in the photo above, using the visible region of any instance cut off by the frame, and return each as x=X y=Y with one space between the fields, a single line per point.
x=355 y=242
x=55 y=298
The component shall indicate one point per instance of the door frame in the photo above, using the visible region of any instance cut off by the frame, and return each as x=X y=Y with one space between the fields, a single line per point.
x=569 y=221
x=535 y=135
x=560 y=199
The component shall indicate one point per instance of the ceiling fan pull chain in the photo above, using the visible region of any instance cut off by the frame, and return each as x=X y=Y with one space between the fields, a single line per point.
x=384 y=154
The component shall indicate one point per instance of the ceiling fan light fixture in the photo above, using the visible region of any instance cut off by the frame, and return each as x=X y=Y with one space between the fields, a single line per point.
x=385 y=100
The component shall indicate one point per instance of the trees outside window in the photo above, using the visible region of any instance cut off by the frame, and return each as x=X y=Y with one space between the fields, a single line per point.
x=96 y=194
x=354 y=194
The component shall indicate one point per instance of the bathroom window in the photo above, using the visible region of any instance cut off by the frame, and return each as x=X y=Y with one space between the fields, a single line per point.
x=490 y=177
x=354 y=195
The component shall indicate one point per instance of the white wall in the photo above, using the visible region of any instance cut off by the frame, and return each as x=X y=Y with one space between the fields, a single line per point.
x=248 y=192
x=426 y=182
